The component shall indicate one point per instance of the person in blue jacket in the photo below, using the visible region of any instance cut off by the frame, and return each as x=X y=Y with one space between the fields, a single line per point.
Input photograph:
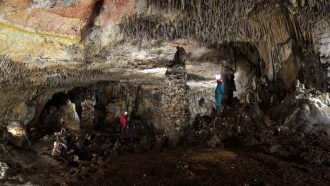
x=219 y=91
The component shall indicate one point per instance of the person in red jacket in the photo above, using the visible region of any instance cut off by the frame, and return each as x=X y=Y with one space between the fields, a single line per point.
x=123 y=121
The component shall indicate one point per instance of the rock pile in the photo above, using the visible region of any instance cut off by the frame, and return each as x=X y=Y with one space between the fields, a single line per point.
x=245 y=124
x=60 y=145
x=304 y=129
x=299 y=127
x=174 y=99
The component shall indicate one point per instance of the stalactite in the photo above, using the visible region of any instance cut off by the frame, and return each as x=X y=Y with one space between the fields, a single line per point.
x=219 y=21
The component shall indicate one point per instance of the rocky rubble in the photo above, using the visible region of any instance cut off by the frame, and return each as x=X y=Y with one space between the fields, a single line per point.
x=245 y=124
x=298 y=127
x=76 y=148
x=78 y=154
x=61 y=143
x=305 y=126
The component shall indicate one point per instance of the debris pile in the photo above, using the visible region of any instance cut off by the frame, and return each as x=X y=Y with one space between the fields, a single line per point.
x=244 y=124
x=78 y=147
x=61 y=144
x=299 y=127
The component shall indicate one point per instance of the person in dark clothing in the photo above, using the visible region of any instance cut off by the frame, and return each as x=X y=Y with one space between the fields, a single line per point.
x=219 y=91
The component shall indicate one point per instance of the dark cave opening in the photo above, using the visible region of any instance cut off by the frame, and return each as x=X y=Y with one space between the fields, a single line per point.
x=57 y=100
x=49 y=119
x=67 y=110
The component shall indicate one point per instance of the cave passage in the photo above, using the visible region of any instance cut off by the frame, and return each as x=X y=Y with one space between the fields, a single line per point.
x=98 y=107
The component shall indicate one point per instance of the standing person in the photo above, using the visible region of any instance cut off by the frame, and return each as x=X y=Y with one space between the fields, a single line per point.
x=123 y=122
x=219 y=91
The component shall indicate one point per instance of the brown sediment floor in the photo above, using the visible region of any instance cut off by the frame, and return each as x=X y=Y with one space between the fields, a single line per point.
x=184 y=166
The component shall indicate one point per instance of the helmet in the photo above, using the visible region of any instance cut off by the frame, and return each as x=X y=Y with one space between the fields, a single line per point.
x=125 y=113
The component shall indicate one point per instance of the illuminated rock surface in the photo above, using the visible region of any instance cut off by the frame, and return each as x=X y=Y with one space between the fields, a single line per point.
x=79 y=64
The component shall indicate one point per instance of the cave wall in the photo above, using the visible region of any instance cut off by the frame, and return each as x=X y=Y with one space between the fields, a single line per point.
x=49 y=46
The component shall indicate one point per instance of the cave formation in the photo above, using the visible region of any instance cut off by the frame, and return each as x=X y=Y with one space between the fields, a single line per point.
x=70 y=69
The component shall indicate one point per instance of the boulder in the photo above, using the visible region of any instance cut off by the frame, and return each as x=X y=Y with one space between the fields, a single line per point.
x=18 y=133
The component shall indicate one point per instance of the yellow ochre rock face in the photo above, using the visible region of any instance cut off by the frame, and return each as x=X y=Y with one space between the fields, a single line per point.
x=5 y=25
x=29 y=31
x=23 y=44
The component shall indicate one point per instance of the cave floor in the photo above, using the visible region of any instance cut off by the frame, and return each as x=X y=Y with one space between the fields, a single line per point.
x=184 y=166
